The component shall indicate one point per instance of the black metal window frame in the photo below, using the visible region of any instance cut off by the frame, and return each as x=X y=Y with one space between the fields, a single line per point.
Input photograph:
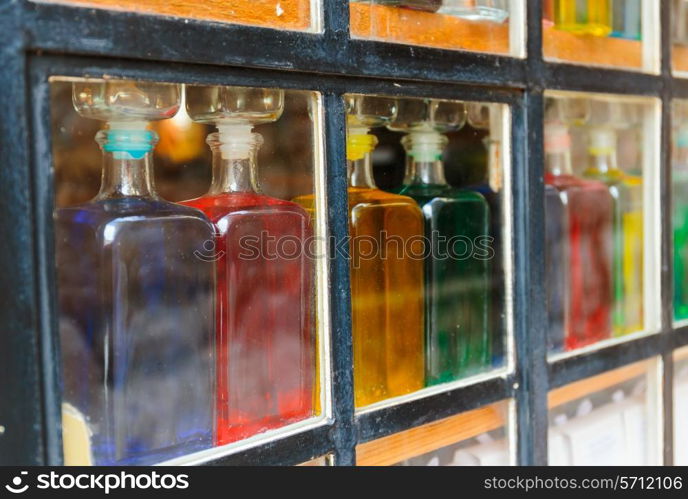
x=39 y=40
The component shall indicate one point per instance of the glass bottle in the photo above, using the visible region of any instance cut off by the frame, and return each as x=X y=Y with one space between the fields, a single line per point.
x=591 y=17
x=457 y=337
x=680 y=221
x=135 y=301
x=588 y=212
x=486 y=116
x=265 y=294
x=386 y=267
x=626 y=16
x=627 y=193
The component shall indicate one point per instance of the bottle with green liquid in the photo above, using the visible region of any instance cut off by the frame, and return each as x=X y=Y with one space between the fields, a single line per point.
x=627 y=262
x=680 y=222
x=457 y=339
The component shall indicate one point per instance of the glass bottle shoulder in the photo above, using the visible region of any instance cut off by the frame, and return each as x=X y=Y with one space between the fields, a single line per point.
x=615 y=176
x=98 y=213
x=443 y=194
x=217 y=206
x=370 y=196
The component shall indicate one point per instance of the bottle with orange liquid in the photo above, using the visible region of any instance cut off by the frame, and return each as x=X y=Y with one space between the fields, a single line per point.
x=265 y=299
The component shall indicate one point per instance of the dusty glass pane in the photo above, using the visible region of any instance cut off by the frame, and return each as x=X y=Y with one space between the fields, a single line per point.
x=188 y=289
x=474 y=438
x=613 y=33
x=477 y=25
x=428 y=241
x=600 y=178
x=680 y=407
x=607 y=420
x=319 y=461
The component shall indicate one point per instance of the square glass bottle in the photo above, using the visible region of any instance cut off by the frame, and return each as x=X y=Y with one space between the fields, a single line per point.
x=265 y=295
x=135 y=301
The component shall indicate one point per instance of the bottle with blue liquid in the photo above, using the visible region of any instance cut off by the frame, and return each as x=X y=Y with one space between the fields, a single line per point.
x=135 y=292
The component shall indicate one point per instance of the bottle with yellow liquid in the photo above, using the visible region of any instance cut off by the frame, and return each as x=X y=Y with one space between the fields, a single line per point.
x=627 y=192
x=584 y=17
x=386 y=251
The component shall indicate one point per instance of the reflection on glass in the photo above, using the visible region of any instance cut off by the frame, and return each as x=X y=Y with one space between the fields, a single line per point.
x=607 y=420
x=136 y=305
x=265 y=290
x=386 y=267
x=457 y=337
x=680 y=208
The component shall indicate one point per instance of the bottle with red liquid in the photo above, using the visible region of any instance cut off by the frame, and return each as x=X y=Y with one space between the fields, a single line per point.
x=265 y=296
x=586 y=211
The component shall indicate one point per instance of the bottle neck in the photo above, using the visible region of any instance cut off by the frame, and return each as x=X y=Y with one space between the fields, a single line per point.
x=359 y=148
x=127 y=163
x=557 y=149
x=361 y=172
x=602 y=151
x=558 y=163
x=424 y=158
x=234 y=162
x=603 y=163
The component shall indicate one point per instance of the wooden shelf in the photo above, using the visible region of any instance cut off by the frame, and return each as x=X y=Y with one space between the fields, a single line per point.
x=280 y=14
x=679 y=58
x=413 y=27
x=418 y=441
x=591 y=50
x=580 y=389
x=681 y=354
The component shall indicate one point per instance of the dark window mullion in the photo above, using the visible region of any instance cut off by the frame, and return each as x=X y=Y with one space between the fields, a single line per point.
x=22 y=422
x=529 y=295
x=344 y=432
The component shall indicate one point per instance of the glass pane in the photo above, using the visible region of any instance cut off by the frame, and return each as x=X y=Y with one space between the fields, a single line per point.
x=607 y=420
x=679 y=35
x=681 y=407
x=600 y=179
x=614 y=33
x=426 y=188
x=186 y=288
x=495 y=26
x=474 y=438
x=679 y=160
x=296 y=15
